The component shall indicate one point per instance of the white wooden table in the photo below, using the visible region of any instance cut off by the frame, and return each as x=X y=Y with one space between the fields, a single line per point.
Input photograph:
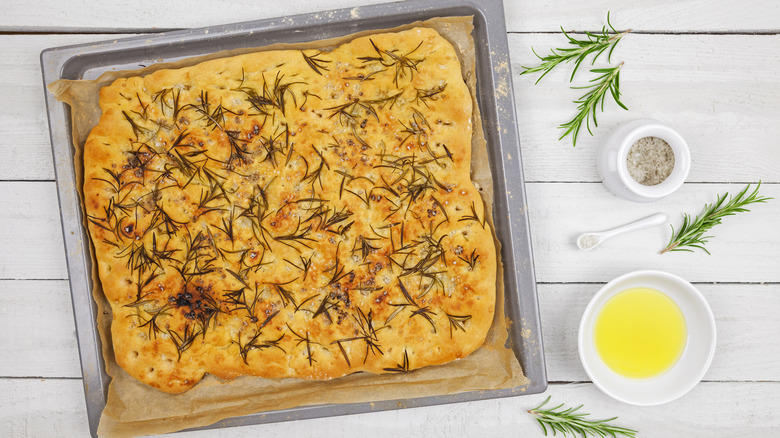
x=711 y=68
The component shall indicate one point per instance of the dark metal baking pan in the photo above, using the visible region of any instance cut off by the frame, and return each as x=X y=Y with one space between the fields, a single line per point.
x=495 y=99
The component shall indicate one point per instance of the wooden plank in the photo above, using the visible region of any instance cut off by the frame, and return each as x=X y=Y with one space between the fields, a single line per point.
x=745 y=248
x=721 y=92
x=25 y=148
x=640 y=15
x=147 y=15
x=722 y=104
x=745 y=317
x=39 y=336
x=33 y=407
x=693 y=15
x=31 y=235
x=42 y=407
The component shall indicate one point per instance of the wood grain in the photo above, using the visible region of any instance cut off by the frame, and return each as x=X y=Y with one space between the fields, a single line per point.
x=744 y=247
x=664 y=16
x=25 y=147
x=31 y=232
x=52 y=407
x=720 y=92
x=643 y=16
x=36 y=318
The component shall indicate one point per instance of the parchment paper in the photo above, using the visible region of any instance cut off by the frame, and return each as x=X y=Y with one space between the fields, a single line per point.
x=134 y=408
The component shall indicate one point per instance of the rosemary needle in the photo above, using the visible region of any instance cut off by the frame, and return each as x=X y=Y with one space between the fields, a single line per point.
x=607 y=83
x=595 y=44
x=691 y=232
x=570 y=421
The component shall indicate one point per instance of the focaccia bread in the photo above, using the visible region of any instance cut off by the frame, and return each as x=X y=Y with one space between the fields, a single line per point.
x=291 y=214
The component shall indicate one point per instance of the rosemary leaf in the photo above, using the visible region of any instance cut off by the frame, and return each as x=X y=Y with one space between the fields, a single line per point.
x=569 y=421
x=690 y=235
x=607 y=83
x=595 y=45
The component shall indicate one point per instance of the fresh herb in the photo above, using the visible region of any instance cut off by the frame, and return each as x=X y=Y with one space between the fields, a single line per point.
x=599 y=88
x=361 y=77
x=608 y=79
x=595 y=45
x=169 y=225
x=691 y=232
x=569 y=421
x=227 y=225
x=238 y=151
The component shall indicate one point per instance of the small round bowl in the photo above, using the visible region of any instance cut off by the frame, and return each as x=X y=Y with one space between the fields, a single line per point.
x=613 y=170
x=689 y=368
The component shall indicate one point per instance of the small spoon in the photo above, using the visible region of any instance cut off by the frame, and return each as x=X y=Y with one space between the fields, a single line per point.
x=589 y=241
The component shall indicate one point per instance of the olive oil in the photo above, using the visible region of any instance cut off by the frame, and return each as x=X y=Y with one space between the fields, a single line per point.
x=640 y=333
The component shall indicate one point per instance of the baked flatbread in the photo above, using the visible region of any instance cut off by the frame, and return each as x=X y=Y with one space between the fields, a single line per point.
x=291 y=214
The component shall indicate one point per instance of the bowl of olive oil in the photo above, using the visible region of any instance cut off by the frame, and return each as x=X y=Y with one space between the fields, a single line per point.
x=647 y=338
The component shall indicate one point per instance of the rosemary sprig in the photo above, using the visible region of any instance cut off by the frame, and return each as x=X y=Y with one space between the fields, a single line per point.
x=691 y=232
x=608 y=81
x=595 y=44
x=570 y=421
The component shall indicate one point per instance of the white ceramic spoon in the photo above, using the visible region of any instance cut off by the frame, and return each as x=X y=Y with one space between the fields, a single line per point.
x=589 y=241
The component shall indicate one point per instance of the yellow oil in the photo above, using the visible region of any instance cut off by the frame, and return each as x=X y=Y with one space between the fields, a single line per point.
x=640 y=333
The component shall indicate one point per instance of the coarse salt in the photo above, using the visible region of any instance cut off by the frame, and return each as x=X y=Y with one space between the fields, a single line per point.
x=650 y=161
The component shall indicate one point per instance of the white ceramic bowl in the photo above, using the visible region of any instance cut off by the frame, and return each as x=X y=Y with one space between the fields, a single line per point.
x=689 y=369
x=612 y=167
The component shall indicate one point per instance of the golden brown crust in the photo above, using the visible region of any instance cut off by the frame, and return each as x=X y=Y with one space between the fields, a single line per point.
x=291 y=214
